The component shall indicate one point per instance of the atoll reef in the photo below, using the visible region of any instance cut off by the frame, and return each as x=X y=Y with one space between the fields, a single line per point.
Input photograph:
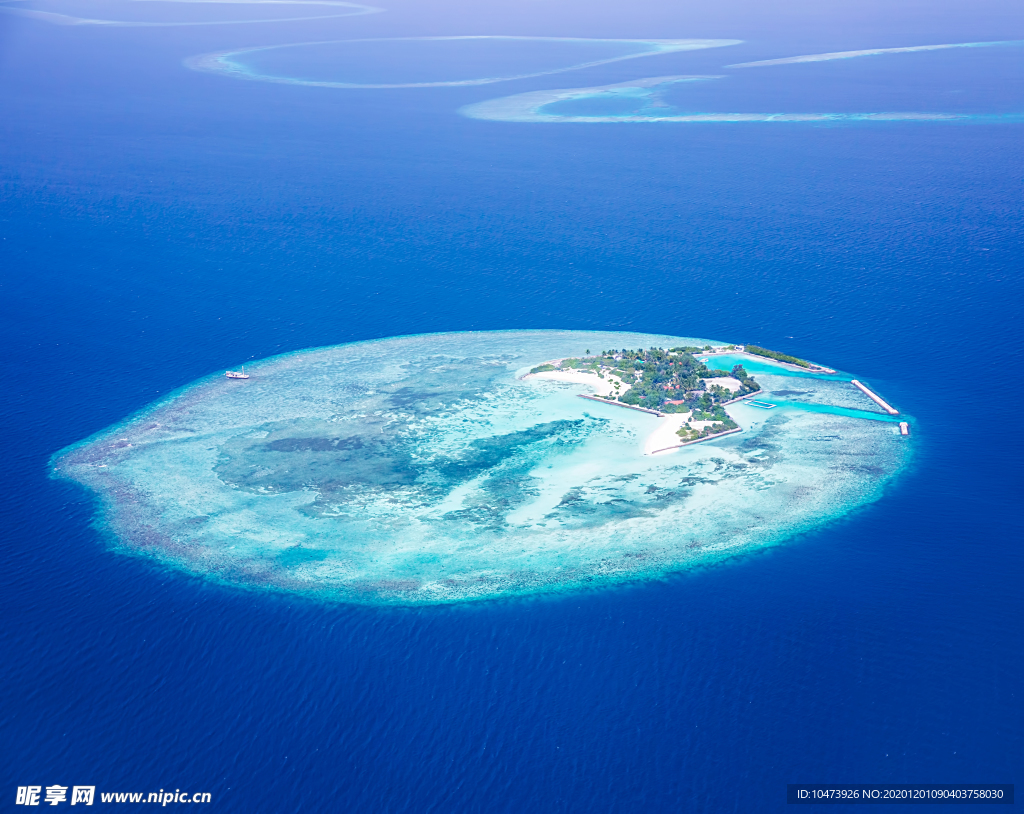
x=643 y=100
x=431 y=62
x=662 y=99
x=869 y=52
x=175 y=13
x=450 y=467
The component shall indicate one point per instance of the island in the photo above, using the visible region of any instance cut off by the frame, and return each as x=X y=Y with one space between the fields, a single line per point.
x=445 y=468
x=663 y=381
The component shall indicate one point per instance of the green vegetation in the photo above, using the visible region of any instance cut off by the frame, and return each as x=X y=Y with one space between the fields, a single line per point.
x=779 y=357
x=717 y=414
x=670 y=381
x=689 y=434
x=749 y=385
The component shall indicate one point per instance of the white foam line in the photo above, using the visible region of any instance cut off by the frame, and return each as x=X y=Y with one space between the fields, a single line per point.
x=868 y=52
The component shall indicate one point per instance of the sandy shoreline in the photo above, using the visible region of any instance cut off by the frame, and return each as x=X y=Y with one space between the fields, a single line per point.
x=601 y=387
x=725 y=382
x=664 y=437
x=664 y=434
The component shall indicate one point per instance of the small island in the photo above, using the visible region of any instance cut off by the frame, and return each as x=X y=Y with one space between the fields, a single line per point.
x=668 y=382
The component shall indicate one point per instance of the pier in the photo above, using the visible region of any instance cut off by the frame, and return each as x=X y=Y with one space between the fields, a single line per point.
x=697 y=440
x=620 y=404
x=876 y=399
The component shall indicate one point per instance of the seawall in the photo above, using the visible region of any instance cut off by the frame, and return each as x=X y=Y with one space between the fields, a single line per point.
x=620 y=404
x=876 y=399
x=697 y=440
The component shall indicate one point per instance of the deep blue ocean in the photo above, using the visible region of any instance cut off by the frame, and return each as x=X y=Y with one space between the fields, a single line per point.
x=159 y=224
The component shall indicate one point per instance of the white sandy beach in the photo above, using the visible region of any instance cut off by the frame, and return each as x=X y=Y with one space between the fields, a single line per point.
x=664 y=436
x=728 y=382
x=601 y=387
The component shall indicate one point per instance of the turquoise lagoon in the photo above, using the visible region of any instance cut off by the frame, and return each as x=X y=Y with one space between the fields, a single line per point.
x=754 y=364
x=425 y=469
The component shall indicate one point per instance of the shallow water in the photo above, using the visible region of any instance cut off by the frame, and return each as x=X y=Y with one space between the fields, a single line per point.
x=405 y=62
x=426 y=62
x=958 y=83
x=426 y=470
x=726 y=361
x=173 y=13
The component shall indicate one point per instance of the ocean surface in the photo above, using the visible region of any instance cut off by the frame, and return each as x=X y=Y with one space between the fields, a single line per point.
x=159 y=224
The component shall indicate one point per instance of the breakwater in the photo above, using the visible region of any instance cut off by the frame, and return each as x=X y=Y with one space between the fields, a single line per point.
x=697 y=440
x=876 y=399
x=621 y=404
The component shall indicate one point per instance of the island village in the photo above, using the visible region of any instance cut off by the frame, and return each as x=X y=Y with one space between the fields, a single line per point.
x=676 y=386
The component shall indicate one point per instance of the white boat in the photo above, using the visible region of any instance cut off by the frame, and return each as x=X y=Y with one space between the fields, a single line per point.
x=237 y=374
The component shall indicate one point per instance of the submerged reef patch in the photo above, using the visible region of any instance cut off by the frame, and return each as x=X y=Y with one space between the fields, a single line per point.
x=869 y=52
x=642 y=100
x=431 y=62
x=433 y=469
x=171 y=13
x=674 y=99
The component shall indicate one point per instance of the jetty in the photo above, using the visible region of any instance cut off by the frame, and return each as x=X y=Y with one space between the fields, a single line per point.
x=876 y=399
x=697 y=440
x=614 y=403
